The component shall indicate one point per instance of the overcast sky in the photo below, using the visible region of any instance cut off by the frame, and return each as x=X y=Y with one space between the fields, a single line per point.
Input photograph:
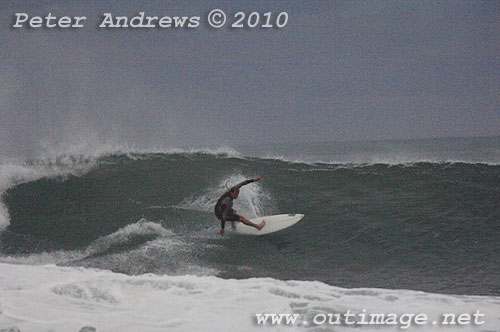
x=340 y=70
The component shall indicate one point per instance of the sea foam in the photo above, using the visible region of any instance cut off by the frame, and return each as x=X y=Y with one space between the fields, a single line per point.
x=42 y=298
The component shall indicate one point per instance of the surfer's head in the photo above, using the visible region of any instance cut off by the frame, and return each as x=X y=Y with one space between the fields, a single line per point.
x=234 y=193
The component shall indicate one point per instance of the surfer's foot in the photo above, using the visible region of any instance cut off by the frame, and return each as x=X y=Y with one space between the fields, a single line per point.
x=262 y=224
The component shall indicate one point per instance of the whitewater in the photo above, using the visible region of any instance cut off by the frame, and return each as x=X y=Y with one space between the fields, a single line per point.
x=52 y=298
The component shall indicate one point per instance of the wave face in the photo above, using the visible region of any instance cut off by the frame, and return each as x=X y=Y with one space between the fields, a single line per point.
x=431 y=226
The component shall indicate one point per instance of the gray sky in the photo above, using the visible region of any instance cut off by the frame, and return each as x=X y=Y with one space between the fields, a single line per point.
x=340 y=70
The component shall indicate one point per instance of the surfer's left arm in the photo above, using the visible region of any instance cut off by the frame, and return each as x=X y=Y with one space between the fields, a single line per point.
x=244 y=183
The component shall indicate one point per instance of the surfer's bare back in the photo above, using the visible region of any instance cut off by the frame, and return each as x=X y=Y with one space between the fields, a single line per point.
x=224 y=207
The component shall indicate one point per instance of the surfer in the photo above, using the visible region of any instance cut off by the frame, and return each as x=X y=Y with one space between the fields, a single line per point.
x=224 y=208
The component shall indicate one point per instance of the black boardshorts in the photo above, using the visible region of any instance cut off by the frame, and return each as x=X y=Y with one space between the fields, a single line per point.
x=232 y=217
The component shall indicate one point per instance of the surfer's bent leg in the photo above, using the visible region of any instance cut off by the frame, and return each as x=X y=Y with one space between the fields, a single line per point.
x=249 y=223
x=229 y=217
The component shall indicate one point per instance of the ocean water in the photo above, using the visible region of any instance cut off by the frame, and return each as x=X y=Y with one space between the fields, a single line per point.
x=122 y=239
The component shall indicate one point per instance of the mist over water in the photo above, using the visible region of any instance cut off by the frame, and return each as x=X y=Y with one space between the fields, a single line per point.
x=160 y=88
x=392 y=152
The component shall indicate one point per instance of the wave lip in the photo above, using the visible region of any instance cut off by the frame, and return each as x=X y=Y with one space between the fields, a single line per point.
x=78 y=159
x=52 y=162
x=12 y=174
x=373 y=160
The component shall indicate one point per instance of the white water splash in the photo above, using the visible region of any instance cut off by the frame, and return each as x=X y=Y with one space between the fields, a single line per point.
x=60 y=299
x=252 y=202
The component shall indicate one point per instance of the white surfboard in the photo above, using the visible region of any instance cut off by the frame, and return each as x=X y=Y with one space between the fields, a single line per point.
x=273 y=224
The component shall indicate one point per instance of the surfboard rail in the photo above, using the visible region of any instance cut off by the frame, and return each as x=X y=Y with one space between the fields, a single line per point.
x=274 y=223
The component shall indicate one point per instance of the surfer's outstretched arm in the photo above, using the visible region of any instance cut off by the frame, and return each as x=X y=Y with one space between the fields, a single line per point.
x=244 y=183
